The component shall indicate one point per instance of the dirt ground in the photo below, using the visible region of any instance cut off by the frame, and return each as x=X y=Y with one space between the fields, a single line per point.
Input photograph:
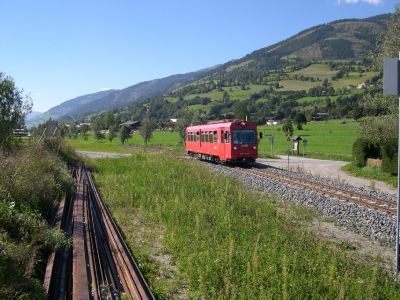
x=325 y=168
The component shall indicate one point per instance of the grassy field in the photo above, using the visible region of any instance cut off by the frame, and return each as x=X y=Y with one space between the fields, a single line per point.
x=165 y=139
x=199 y=235
x=321 y=71
x=326 y=140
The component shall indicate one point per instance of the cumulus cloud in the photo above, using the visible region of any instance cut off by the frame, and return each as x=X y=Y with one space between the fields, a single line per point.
x=373 y=2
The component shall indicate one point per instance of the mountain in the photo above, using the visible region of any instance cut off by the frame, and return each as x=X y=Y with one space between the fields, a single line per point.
x=112 y=99
x=32 y=116
x=344 y=40
x=349 y=39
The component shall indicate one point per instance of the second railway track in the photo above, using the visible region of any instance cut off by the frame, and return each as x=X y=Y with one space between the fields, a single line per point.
x=99 y=264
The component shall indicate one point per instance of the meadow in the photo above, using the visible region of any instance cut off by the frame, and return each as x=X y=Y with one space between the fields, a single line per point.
x=196 y=234
x=332 y=139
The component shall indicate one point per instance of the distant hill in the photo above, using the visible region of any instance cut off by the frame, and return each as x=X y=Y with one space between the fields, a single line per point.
x=111 y=99
x=32 y=116
x=350 y=39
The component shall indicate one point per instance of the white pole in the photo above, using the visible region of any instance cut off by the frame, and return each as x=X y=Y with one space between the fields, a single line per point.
x=398 y=196
x=398 y=201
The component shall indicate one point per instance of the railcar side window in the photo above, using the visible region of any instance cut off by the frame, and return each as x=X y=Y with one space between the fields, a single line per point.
x=227 y=137
x=202 y=136
x=197 y=136
x=215 y=136
x=210 y=138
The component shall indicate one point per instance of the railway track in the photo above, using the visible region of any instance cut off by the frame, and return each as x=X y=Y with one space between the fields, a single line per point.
x=360 y=199
x=98 y=265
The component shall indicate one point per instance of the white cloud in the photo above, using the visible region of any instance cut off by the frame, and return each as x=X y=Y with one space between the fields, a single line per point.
x=104 y=89
x=373 y=2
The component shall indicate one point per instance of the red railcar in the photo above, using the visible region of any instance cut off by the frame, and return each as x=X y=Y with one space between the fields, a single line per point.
x=225 y=141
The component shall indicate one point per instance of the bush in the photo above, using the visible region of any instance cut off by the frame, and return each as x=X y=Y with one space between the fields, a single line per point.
x=363 y=149
x=32 y=181
x=389 y=157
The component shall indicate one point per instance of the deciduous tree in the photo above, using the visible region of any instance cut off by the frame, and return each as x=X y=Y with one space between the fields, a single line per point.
x=146 y=130
x=13 y=108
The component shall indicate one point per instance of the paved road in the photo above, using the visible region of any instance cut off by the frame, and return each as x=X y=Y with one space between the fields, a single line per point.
x=325 y=168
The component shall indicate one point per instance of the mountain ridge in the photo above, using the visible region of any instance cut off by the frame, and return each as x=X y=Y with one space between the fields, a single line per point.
x=346 y=39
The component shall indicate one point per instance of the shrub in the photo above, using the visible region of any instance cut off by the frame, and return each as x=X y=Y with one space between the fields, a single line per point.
x=32 y=181
x=363 y=149
x=389 y=157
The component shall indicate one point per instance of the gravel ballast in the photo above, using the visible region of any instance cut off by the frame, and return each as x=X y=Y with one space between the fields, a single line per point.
x=377 y=225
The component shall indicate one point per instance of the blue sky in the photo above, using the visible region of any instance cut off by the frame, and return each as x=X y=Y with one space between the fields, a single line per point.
x=57 y=50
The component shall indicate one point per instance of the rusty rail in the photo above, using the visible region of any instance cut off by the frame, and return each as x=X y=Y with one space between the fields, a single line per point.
x=99 y=264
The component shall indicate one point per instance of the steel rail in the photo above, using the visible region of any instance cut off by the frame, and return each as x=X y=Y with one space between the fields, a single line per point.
x=371 y=202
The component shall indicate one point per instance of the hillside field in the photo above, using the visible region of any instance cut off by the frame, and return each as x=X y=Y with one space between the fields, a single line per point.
x=328 y=140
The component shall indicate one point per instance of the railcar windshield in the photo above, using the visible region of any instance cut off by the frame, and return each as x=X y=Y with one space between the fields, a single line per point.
x=244 y=136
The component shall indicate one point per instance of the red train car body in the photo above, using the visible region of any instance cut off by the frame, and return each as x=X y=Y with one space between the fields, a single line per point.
x=225 y=141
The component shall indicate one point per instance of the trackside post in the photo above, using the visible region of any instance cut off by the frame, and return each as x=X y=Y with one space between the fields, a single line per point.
x=391 y=86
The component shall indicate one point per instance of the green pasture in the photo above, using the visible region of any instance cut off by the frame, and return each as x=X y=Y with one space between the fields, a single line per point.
x=353 y=79
x=321 y=71
x=325 y=139
x=198 y=235
x=165 y=139
x=297 y=85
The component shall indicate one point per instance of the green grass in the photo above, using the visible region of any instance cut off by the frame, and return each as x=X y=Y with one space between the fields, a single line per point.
x=297 y=85
x=371 y=173
x=226 y=241
x=321 y=71
x=353 y=79
x=165 y=139
x=235 y=93
x=326 y=140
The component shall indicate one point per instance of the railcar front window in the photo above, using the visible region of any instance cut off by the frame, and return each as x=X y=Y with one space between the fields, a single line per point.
x=244 y=137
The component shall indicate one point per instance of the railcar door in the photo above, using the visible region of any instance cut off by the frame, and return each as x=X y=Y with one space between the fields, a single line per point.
x=221 y=146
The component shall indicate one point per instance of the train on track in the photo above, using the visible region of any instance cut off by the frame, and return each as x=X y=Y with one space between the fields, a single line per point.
x=223 y=141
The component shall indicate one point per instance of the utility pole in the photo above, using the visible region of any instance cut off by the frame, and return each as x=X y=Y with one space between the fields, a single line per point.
x=391 y=86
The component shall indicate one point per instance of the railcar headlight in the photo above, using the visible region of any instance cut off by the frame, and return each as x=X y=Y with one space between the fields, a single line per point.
x=234 y=148
x=255 y=147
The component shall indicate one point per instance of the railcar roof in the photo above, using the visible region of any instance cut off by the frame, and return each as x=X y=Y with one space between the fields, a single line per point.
x=216 y=125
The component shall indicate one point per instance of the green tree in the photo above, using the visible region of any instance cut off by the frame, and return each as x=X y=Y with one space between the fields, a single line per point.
x=389 y=41
x=13 y=108
x=225 y=97
x=288 y=128
x=184 y=120
x=124 y=134
x=83 y=129
x=146 y=129
x=300 y=119
x=199 y=117
x=240 y=110
x=96 y=126
x=109 y=119
x=112 y=131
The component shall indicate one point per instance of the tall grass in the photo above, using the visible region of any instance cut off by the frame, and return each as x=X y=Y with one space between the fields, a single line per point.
x=227 y=241
x=32 y=181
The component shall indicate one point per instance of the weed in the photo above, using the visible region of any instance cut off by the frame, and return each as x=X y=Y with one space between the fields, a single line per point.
x=225 y=242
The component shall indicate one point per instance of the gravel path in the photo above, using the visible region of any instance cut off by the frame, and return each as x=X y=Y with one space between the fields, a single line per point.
x=326 y=168
x=92 y=154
